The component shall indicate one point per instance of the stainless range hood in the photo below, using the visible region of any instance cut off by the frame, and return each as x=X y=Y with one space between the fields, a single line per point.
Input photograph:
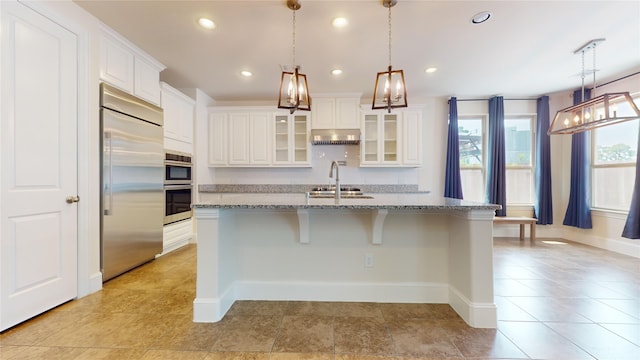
x=335 y=137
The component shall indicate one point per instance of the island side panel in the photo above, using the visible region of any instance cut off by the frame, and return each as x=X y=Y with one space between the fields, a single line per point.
x=216 y=272
x=471 y=267
x=410 y=264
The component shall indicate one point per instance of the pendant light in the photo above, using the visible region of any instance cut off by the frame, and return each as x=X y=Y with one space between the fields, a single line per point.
x=390 y=90
x=606 y=109
x=294 y=93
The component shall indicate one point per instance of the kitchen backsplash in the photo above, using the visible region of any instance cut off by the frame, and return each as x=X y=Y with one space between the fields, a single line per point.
x=300 y=188
x=318 y=173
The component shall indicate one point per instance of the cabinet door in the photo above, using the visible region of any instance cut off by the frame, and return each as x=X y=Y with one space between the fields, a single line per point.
x=146 y=81
x=390 y=138
x=260 y=138
x=347 y=113
x=217 y=139
x=412 y=138
x=300 y=143
x=239 y=126
x=323 y=113
x=370 y=151
x=116 y=64
x=171 y=113
x=281 y=145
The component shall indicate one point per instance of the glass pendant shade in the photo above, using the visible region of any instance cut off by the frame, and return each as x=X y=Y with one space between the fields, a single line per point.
x=606 y=109
x=390 y=90
x=294 y=93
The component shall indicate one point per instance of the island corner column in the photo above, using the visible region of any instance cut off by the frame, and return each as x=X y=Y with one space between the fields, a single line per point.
x=471 y=266
x=213 y=286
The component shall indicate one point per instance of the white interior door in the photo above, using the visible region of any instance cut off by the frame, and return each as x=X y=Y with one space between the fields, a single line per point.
x=38 y=142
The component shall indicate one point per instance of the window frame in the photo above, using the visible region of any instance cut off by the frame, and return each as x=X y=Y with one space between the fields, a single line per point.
x=532 y=165
x=484 y=119
x=595 y=166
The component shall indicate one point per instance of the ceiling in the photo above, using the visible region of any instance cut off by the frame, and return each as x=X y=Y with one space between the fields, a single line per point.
x=526 y=48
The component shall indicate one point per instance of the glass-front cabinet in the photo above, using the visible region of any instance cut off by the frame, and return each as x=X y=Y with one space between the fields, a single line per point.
x=380 y=134
x=391 y=139
x=291 y=139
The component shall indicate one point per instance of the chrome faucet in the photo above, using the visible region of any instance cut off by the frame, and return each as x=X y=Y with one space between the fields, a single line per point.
x=334 y=164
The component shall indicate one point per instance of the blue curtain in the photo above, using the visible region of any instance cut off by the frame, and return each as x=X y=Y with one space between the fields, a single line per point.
x=452 y=182
x=543 y=209
x=632 y=226
x=578 y=211
x=496 y=185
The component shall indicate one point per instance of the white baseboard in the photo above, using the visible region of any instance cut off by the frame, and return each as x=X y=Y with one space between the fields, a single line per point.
x=617 y=246
x=95 y=282
x=479 y=315
x=213 y=309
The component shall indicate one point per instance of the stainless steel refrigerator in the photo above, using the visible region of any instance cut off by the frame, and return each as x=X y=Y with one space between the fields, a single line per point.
x=132 y=194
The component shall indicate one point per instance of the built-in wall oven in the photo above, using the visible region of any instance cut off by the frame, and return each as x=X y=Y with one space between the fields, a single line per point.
x=178 y=185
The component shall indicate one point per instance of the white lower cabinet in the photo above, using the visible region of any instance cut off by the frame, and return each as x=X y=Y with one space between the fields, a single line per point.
x=176 y=235
x=391 y=139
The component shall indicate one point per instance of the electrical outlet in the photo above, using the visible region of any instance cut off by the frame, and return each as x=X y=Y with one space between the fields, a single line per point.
x=368 y=260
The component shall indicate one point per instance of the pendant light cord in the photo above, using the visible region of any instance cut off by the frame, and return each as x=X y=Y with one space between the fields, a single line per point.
x=389 y=21
x=293 y=64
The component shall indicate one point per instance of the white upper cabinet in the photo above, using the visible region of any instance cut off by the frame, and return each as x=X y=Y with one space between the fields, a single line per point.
x=391 y=139
x=331 y=112
x=241 y=137
x=412 y=137
x=129 y=68
x=291 y=138
x=218 y=139
x=179 y=114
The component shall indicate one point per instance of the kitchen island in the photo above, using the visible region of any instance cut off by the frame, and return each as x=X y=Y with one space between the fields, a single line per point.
x=410 y=247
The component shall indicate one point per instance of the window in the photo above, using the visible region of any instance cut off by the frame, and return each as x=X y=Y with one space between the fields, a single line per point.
x=471 y=136
x=519 y=137
x=613 y=164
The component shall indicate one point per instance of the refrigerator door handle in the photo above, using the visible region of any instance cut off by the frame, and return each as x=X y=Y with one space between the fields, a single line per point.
x=108 y=207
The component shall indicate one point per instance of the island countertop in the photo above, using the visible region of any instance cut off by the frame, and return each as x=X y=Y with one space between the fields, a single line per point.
x=391 y=201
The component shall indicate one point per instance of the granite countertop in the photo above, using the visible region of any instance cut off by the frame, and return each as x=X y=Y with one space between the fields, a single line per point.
x=392 y=201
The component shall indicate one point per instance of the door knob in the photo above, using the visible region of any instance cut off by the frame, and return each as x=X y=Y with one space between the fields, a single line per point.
x=73 y=199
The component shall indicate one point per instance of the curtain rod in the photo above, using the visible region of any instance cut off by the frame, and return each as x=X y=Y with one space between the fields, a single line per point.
x=618 y=79
x=525 y=99
x=514 y=99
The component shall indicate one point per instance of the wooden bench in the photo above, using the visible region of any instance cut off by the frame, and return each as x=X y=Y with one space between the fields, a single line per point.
x=522 y=221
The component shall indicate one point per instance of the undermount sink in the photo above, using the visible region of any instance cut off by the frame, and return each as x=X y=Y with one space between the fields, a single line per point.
x=342 y=196
x=346 y=192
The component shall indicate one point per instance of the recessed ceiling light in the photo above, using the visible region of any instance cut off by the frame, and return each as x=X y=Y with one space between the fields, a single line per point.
x=480 y=17
x=340 y=22
x=246 y=73
x=430 y=70
x=206 y=23
x=336 y=72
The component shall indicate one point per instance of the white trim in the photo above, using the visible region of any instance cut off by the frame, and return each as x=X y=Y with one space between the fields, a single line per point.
x=479 y=315
x=621 y=246
x=213 y=309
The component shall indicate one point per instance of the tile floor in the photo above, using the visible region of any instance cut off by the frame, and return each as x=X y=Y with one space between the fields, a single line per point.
x=555 y=301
